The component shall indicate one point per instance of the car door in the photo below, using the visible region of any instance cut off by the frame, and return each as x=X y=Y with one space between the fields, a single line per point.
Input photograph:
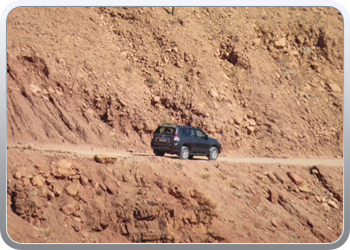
x=192 y=140
x=201 y=142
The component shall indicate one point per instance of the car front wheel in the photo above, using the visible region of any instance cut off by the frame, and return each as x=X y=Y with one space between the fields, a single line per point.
x=184 y=153
x=213 y=153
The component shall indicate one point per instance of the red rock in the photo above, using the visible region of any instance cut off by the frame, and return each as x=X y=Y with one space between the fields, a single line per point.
x=61 y=169
x=36 y=181
x=295 y=178
x=73 y=189
x=274 y=196
x=101 y=158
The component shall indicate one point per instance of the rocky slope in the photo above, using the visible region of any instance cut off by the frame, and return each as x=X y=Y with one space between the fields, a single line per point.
x=70 y=198
x=265 y=82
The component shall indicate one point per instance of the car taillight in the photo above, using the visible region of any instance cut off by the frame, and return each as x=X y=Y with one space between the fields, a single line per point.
x=176 y=137
x=152 y=135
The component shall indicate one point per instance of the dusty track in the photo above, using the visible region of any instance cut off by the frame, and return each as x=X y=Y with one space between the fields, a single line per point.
x=227 y=158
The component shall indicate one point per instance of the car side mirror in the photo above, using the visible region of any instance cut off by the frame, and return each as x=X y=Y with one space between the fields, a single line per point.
x=208 y=136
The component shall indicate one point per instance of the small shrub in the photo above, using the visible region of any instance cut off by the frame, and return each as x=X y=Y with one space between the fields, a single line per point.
x=205 y=176
x=99 y=192
x=178 y=165
x=128 y=68
x=150 y=80
x=47 y=232
x=276 y=175
x=262 y=136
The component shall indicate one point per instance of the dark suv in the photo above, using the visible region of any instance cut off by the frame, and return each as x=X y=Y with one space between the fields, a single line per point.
x=184 y=141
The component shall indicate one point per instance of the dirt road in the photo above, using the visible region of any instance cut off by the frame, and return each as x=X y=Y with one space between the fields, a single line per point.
x=300 y=162
x=336 y=162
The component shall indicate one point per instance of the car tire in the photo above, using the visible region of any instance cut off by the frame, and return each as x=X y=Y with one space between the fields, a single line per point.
x=157 y=153
x=213 y=153
x=184 y=153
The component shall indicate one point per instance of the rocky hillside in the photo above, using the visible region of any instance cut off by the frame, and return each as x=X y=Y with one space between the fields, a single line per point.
x=264 y=81
x=55 y=197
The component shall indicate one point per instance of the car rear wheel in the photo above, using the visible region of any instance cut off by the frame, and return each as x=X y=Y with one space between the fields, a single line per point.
x=213 y=153
x=184 y=153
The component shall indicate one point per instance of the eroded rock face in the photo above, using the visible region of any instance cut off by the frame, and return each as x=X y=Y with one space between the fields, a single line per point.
x=90 y=202
x=151 y=199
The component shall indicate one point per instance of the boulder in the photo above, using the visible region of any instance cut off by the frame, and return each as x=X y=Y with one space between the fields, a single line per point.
x=57 y=188
x=111 y=185
x=273 y=196
x=35 y=89
x=73 y=189
x=18 y=175
x=76 y=226
x=203 y=200
x=335 y=88
x=281 y=43
x=300 y=39
x=36 y=181
x=326 y=207
x=295 y=178
x=305 y=189
x=61 y=169
x=69 y=208
x=213 y=93
x=333 y=204
x=105 y=223
x=318 y=198
x=84 y=181
x=103 y=158
x=250 y=130
x=274 y=222
x=20 y=206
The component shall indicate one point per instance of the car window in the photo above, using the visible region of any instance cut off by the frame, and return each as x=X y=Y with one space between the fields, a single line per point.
x=192 y=133
x=200 y=134
x=160 y=130
x=169 y=131
x=165 y=130
x=183 y=132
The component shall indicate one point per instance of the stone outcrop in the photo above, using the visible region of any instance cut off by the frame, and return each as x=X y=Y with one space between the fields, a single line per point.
x=103 y=158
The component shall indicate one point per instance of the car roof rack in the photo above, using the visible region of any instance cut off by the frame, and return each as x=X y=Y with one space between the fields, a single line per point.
x=174 y=125
x=167 y=124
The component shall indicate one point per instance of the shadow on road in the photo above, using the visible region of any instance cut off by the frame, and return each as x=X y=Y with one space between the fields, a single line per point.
x=169 y=157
